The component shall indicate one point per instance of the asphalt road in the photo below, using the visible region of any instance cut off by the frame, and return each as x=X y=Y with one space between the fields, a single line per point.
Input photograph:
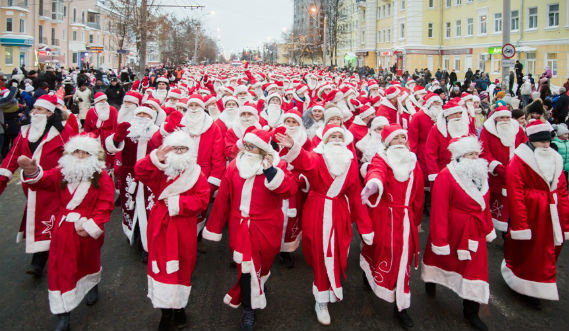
x=123 y=304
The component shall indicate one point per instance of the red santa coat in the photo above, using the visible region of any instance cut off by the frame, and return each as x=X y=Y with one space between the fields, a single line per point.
x=39 y=217
x=418 y=131
x=74 y=264
x=102 y=129
x=172 y=230
x=497 y=154
x=539 y=222
x=358 y=129
x=387 y=110
x=327 y=220
x=136 y=198
x=395 y=221
x=460 y=226
x=253 y=208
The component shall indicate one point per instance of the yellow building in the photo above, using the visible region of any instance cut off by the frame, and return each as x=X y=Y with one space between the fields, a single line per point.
x=349 y=21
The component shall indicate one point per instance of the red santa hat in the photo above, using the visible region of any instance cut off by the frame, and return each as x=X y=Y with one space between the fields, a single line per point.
x=391 y=131
x=100 y=96
x=146 y=110
x=452 y=107
x=241 y=89
x=410 y=81
x=330 y=129
x=464 y=145
x=249 y=107
x=332 y=112
x=419 y=90
x=178 y=138
x=196 y=98
x=392 y=92
x=259 y=138
x=500 y=111
x=229 y=98
x=269 y=86
x=366 y=111
x=431 y=97
x=208 y=100
x=47 y=101
x=301 y=88
x=379 y=122
x=175 y=93
x=162 y=79
x=133 y=96
x=274 y=95
x=539 y=131
x=182 y=103
x=395 y=82
x=372 y=84
x=294 y=114
x=318 y=105
x=153 y=103
x=85 y=142
x=135 y=85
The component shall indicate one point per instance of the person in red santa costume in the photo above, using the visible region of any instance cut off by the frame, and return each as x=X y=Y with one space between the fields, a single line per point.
x=182 y=192
x=333 y=115
x=84 y=193
x=313 y=119
x=371 y=143
x=272 y=114
x=250 y=199
x=248 y=116
x=327 y=217
x=41 y=140
x=229 y=117
x=133 y=141
x=359 y=127
x=539 y=216
x=405 y=108
x=161 y=91
x=101 y=120
x=460 y=226
x=396 y=180
x=172 y=98
x=500 y=136
x=452 y=122
x=388 y=106
x=130 y=102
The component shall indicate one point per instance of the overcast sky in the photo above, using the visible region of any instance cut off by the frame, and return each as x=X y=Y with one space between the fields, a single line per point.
x=240 y=23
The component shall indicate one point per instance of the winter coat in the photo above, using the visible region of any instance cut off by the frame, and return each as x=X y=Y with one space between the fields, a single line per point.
x=563 y=149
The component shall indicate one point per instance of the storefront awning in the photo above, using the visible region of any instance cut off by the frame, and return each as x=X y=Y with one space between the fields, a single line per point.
x=525 y=49
x=51 y=58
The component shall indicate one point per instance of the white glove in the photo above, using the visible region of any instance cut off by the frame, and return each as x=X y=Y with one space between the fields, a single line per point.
x=371 y=188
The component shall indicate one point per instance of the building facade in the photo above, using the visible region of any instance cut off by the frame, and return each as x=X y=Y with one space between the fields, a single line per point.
x=66 y=33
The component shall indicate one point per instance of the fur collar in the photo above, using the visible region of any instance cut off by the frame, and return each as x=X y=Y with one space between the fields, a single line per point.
x=388 y=104
x=182 y=184
x=468 y=186
x=526 y=154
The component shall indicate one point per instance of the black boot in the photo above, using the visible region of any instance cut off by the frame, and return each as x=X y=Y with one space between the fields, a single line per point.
x=248 y=315
x=287 y=260
x=63 y=322
x=470 y=309
x=165 y=320
x=404 y=319
x=180 y=320
x=38 y=263
x=92 y=296
x=431 y=289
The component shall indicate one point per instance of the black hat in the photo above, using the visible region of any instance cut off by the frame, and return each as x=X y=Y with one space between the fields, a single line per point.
x=536 y=107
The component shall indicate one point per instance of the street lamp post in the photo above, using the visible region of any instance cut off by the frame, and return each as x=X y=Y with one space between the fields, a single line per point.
x=313 y=12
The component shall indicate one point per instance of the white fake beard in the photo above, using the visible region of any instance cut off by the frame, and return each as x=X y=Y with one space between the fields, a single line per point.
x=274 y=113
x=370 y=145
x=230 y=117
x=75 y=170
x=337 y=158
x=103 y=109
x=194 y=121
x=141 y=128
x=506 y=132
x=478 y=110
x=470 y=108
x=213 y=111
x=298 y=134
x=401 y=161
x=126 y=113
x=311 y=84
x=410 y=106
x=457 y=127
x=434 y=111
x=473 y=171
x=37 y=127
x=374 y=94
x=545 y=158
x=245 y=123
x=249 y=164
x=171 y=104
x=176 y=164
x=160 y=95
x=346 y=112
x=241 y=100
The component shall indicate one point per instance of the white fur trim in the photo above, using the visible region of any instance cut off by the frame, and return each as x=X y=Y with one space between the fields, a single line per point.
x=492 y=166
x=468 y=186
x=92 y=229
x=206 y=234
x=473 y=245
x=214 y=181
x=530 y=288
x=504 y=192
x=291 y=212
x=392 y=135
x=521 y=234
x=182 y=184
x=227 y=300
x=329 y=132
x=368 y=238
x=131 y=98
x=173 y=205
x=196 y=100
x=65 y=302
x=475 y=290
x=306 y=182
x=257 y=141
x=452 y=110
x=538 y=128
x=276 y=181
x=491 y=236
x=83 y=143
x=178 y=138
x=155 y=268
x=102 y=97
x=110 y=145
x=325 y=296
x=146 y=110
x=464 y=145
x=292 y=154
x=45 y=104
x=363 y=169
x=440 y=250
x=463 y=254
x=432 y=177
x=379 y=185
x=172 y=266
x=499 y=225
x=156 y=162
x=6 y=173
x=566 y=235
x=168 y=296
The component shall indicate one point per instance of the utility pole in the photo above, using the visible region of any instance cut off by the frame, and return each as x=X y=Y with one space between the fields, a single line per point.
x=195 y=58
x=505 y=40
x=143 y=38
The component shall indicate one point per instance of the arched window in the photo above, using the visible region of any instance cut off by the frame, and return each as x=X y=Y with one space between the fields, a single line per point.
x=74 y=15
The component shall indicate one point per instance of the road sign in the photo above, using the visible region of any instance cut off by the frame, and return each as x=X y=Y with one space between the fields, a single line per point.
x=507 y=63
x=508 y=50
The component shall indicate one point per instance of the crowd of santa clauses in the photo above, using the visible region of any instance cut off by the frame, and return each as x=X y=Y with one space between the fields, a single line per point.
x=290 y=158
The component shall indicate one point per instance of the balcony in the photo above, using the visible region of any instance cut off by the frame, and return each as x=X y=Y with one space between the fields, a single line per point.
x=44 y=15
x=94 y=25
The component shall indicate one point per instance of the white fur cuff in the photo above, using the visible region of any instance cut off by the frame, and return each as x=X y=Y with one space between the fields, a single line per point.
x=173 y=205
x=306 y=183
x=432 y=177
x=111 y=147
x=92 y=229
x=521 y=234
x=156 y=162
x=214 y=181
x=368 y=238
x=6 y=173
x=491 y=236
x=566 y=235
x=292 y=154
x=210 y=235
x=492 y=166
x=276 y=181
x=440 y=250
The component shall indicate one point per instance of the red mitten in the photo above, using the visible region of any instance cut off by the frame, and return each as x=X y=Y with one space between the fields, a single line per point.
x=173 y=121
x=281 y=130
x=500 y=171
x=246 y=65
x=3 y=183
x=122 y=131
x=145 y=81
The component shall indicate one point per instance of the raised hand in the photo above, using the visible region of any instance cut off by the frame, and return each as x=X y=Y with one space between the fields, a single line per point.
x=267 y=161
x=29 y=166
x=122 y=131
x=162 y=151
x=284 y=140
x=173 y=122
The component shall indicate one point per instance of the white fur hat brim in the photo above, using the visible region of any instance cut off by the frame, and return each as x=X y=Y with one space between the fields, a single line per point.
x=331 y=131
x=83 y=143
x=260 y=143
x=146 y=110
x=463 y=146
x=178 y=139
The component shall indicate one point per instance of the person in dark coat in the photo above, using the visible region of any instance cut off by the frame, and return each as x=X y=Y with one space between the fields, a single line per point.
x=43 y=88
x=562 y=106
x=115 y=93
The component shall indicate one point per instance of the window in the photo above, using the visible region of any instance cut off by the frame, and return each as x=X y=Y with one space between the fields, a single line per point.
x=64 y=35
x=402 y=36
x=74 y=56
x=470 y=27
x=530 y=63
x=388 y=9
x=53 y=36
x=22 y=25
x=64 y=11
x=83 y=36
x=8 y=55
x=10 y=3
x=553 y=15
x=378 y=37
x=74 y=36
x=457 y=63
x=40 y=34
x=482 y=24
x=431 y=3
x=498 y=22
x=446 y=62
x=82 y=17
x=378 y=12
x=9 y=24
x=383 y=7
x=74 y=15
x=91 y=38
x=448 y=3
x=532 y=18
x=363 y=38
x=551 y=62
x=402 y=4
x=447 y=30
x=515 y=17
x=430 y=30
x=496 y=63
x=458 y=25
x=388 y=35
x=458 y=2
